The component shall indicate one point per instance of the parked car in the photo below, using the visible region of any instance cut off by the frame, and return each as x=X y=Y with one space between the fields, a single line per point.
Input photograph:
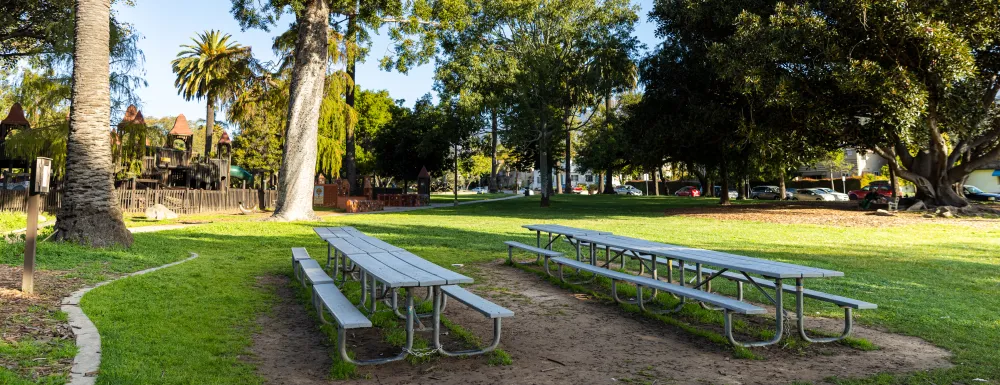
x=688 y=191
x=839 y=196
x=771 y=191
x=975 y=194
x=732 y=192
x=526 y=191
x=627 y=190
x=481 y=190
x=882 y=187
x=579 y=189
x=806 y=194
x=774 y=193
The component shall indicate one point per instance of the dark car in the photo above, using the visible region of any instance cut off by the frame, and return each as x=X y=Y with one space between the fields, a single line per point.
x=973 y=193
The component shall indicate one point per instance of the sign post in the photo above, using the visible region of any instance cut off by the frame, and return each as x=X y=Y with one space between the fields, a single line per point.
x=40 y=176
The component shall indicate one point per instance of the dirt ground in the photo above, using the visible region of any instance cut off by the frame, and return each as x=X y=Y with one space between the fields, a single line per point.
x=557 y=337
x=819 y=213
x=30 y=317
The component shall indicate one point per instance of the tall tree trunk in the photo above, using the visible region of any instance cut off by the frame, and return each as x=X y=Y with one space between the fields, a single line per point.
x=350 y=162
x=656 y=182
x=569 y=161
x=781 y=183
x=724 y=193
x=702 y=179
x=89 y=214
x=494 y=187
x=892 y=180
x=209 y=125
x=609 y=187
x=544 y=171
x=298 y=166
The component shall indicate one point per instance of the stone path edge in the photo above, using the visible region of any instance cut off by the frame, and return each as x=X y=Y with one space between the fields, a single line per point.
x=88 y=341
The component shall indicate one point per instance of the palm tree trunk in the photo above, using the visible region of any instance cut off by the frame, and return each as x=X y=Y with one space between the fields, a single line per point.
x=209 y=124
x=298 y=168
x=494 y=186
x=89 y=215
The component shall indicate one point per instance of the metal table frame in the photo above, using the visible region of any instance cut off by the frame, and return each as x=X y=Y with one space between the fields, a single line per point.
x=778 y=271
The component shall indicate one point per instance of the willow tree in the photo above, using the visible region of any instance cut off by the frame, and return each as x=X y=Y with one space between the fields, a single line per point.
x=88 y=214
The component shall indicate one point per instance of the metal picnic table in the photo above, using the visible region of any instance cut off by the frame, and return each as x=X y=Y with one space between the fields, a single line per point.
x=382 y=264
x=744 y=265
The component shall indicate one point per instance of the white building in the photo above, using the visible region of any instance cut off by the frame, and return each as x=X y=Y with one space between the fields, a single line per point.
x=861 y=163
x=986 y=178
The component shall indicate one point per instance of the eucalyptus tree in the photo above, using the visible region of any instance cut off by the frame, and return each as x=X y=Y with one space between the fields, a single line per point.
x=915 y=81
x=412 y=26
x=88 y=214
x=210 y=68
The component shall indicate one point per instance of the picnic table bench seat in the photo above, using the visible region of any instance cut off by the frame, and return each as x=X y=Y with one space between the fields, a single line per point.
x=715 y=299
x=474 y=302
x=540 y=252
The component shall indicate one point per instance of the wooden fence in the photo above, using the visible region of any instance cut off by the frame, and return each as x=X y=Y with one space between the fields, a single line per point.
x=136 y=201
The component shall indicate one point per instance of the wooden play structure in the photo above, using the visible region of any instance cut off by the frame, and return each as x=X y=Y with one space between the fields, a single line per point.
x=172 y=165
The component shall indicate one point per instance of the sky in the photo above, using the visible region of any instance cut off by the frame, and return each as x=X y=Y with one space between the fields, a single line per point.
x=166 y=25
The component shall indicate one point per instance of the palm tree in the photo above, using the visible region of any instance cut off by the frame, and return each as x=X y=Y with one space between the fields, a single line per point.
x=88 y=214
x=210 y=69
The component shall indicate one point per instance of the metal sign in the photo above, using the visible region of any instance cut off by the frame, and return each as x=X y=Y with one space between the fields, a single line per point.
x=43 y=175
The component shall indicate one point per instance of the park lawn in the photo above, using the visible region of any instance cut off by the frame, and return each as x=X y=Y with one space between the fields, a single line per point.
x=192 y=323
x=464 y=197
x=11 y=220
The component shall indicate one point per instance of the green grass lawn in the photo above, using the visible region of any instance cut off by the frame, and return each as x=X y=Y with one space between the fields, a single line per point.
x=10 y=221
x=192 y=323
x=464 y=197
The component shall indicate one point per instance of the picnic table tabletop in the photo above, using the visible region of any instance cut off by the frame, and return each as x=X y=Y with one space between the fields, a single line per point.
x=764 y=267
x=563 y=230
x=392 y=265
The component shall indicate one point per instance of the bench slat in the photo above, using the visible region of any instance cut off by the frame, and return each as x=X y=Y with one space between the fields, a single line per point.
x=533 y=249
x=317 y=276
x=474 y=301
x=347 y=316
x=451 y=277
x=383 y=273
x=300 y=254
x=714 y=299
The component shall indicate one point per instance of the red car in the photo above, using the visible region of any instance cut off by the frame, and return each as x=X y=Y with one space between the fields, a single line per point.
x=688 y=191
x=883 y=188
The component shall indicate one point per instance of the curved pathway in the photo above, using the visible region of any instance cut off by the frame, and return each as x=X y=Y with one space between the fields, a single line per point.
x=88 y=341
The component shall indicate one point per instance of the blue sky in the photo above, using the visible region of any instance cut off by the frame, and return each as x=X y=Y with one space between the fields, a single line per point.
x=165 y=25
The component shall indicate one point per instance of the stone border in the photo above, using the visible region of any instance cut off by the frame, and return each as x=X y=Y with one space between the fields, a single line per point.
x=88 y=341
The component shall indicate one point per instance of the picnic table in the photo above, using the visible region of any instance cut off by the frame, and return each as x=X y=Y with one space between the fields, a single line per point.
x=384 y=269
x=737 y=268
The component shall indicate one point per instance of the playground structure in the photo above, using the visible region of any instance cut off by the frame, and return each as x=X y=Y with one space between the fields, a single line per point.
x=14 y=121
x=173 y=165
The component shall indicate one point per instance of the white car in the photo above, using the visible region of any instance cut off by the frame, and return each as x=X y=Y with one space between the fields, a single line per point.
x=808 y=194
x=480 y=190
x=838 y=196
x=627 y=190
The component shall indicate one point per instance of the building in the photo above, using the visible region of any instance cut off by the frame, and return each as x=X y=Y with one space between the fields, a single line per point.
x=987 y=178
x=861 y=163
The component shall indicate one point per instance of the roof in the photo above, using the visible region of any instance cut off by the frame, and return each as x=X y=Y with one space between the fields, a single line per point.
x=181 y=127
x=15 y=117
x=423 y=173
x=132 y=116
x=224 y=138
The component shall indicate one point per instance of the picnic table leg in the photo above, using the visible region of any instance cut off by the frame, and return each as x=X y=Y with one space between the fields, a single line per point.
x=538 y=244
x=439 y=298
x=779 y=316
x=800 y=310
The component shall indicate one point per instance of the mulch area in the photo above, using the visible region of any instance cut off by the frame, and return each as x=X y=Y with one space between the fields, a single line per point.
x=32 y=317
x=561 y=337
x=819 y=213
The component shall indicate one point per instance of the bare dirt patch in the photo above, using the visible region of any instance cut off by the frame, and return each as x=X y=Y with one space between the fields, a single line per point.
x=819 y=213
x=31 y=318
x=558 y=337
